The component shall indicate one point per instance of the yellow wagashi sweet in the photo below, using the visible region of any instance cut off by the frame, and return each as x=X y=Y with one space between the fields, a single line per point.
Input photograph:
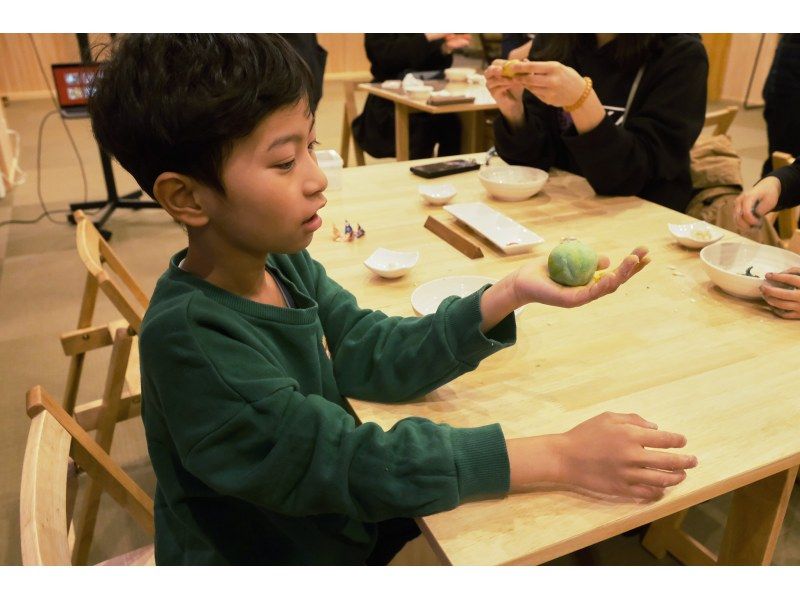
x=507 y=68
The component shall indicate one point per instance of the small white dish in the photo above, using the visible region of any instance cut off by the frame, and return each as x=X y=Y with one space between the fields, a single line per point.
x=421 y=92
x=391 y=84
x=458 y=73
x=739 y=268
x=476 y=79
x=512 y=183
x=426 y=297
x=696 y=234
x=437 y=195
x=507 y=234
x=391 y=264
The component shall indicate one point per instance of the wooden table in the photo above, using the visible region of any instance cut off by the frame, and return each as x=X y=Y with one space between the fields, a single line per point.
x=668 y=345
x=472 y=114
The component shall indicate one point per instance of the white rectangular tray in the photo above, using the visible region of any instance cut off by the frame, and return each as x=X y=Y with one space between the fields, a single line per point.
x=509 y=235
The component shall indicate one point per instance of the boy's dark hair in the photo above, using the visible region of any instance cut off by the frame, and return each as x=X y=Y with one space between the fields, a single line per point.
x=177 y=102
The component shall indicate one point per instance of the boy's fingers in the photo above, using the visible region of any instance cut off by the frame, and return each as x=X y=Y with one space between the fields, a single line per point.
x=667 y=461
x=660 y=439
x=646 y=492
x=781 y=304
x=787 y=277
x=778 y=293
x=603 y=262
x=636 y=420
x=655 y=477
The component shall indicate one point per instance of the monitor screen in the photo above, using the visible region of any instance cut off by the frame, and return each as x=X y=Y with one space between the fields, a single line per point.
x=74 y=83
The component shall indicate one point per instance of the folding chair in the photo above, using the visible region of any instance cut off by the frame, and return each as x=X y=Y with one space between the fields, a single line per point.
x=721 y=119
x=56 y=444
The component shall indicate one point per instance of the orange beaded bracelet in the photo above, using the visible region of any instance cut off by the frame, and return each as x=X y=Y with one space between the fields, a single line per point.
x=586 y=91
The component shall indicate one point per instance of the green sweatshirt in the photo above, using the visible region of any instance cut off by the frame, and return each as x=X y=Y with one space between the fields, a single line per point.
x=256 y=455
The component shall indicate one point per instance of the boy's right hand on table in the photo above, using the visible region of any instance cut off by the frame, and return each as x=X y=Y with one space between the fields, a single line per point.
x=607 y=454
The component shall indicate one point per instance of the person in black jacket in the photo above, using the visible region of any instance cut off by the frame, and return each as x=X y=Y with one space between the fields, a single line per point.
x=777 y=191
x=391 y=56
x=315 y=57
x=622 y=110
x=781 y=98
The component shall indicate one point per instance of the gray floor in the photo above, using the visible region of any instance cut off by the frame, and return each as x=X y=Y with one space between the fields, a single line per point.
x=41 y=283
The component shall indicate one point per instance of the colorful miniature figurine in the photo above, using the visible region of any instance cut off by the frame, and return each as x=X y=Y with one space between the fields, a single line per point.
x=337 y=234
x=360 y=232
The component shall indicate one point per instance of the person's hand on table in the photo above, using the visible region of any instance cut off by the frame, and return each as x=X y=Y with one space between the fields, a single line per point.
x=784 y=302
x=609 y=454
x=507 y=93
x=754 y=203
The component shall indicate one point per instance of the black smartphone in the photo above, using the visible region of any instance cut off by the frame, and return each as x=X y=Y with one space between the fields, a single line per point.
x=437 y=169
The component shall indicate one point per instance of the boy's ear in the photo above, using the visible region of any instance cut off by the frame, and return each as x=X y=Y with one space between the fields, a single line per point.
x=178 y=194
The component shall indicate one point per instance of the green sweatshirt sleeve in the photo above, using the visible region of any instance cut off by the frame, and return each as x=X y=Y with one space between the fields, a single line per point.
x=241 y=426
x=388 y=359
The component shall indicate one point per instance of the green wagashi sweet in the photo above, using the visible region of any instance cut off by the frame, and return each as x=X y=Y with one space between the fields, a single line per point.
x=572 y=263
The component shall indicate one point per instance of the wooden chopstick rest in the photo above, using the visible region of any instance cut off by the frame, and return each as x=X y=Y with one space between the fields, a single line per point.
x=464 y=245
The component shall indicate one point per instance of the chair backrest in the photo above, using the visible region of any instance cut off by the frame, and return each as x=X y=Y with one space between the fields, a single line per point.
x=95 y=252
x=720 y=119
x=45 y=502
x=349 y=88
x=787 y=219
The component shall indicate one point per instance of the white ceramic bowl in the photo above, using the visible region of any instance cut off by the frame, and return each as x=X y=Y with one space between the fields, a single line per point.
x=512 y=183
x=458 y=73
x=696 y=234
x=426 y=297
x=437 y=195
x=421 y=93
x=391 y=264
x=726 y=264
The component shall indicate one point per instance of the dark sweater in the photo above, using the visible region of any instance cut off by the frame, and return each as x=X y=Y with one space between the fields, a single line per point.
x=789 y=176
x=256 y=455
x=648 y=156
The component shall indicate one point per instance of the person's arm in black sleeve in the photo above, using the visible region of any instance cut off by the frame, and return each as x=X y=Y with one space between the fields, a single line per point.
x=534 y=143
x=397 y=52
x=655 y=140
x=789 y=176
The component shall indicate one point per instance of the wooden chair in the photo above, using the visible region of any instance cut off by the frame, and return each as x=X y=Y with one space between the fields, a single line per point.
x=349 y=115
x=56 y=444
x=126 y=295
x=787 y=219
x=721 y=119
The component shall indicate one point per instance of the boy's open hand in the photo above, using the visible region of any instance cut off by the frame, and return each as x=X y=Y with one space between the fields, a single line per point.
x=532 y=283
x=609 y=454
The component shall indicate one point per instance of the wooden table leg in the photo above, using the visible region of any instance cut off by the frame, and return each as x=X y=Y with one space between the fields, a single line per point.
x=401 y=132
x=755 y=520
x=473 y=132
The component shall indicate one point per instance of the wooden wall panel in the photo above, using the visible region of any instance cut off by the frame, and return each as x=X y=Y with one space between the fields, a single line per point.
x=717 y=45
x=744 y=59
x=345 y=53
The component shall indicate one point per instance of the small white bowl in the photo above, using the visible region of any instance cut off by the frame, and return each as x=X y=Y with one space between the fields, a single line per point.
x=391 y=264
x=696 y=234
x=476 y=79
x=512 y=183
x=458 y=73
x=726 y=264
x=437 y=195
x=422 y=92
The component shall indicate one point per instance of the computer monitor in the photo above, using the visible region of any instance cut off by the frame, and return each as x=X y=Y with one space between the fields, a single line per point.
x=74 y=85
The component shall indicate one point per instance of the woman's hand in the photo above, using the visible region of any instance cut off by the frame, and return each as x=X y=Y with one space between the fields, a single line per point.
x=784 y=302
x=552 y=82
x=507 y=92
x=532 y=283
x=752 y=205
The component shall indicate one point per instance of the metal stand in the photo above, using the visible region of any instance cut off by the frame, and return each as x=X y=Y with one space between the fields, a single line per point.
x=131 y=201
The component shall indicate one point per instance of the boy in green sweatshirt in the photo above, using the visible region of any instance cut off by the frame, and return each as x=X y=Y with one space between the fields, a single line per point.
x=256 y=455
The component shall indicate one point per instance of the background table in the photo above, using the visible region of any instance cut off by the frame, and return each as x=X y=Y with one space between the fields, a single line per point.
x=472 y=114
x=668 y=345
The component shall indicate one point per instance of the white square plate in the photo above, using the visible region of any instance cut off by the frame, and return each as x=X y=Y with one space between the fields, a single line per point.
x=509 y=235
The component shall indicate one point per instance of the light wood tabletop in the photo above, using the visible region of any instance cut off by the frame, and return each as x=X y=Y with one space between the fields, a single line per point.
x=472 y=114
x=668 y=345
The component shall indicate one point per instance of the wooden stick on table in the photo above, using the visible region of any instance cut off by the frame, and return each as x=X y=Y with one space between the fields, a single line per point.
x=464 y=245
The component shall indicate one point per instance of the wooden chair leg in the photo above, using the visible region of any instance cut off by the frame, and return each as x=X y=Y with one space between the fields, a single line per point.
x=112 y=395
x=755 y=520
